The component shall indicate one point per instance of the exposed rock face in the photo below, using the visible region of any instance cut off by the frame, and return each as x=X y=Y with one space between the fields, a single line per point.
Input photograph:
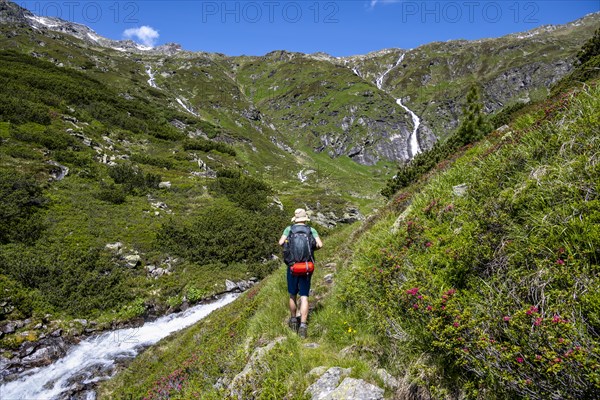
x=327 y=387
x=327 y=383
x=330 y=219
x=236 y=387
x=33 y=354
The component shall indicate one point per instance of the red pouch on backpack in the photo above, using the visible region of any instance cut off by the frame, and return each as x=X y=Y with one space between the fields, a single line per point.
x=302 y=268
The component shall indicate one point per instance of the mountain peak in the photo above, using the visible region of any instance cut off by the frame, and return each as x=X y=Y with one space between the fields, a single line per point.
x=13 y=13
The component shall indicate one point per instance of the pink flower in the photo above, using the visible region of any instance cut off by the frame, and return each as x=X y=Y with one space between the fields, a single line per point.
x=428 y=244
x=413 y=291
x=456 y=324
x=520 y=360
x=556 y=319
x=429 y=308
x=419 y=297
x=506 y=318
x=538 y=321
x=538 y=357
x=560 y=262
x=415 y=306
x=532 y=310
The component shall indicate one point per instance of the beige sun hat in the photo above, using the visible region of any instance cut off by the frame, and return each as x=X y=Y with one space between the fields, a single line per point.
x=300 y=215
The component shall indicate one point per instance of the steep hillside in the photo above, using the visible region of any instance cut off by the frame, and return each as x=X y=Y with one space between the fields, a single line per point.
x=479 y=281
x=318 y=103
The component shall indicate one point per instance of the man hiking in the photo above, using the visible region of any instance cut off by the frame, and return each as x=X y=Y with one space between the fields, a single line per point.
x=299 y=242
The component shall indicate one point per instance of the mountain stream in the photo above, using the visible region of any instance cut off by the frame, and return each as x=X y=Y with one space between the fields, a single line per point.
x=94 y=359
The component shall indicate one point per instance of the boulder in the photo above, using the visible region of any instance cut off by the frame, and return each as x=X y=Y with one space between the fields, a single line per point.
x=327 y=383
x=229 y=285
x=132 y=260
x=116 y=247
x=355 y=389
x=240 y=380
x=8 y=327
x=460 y=190
x=388 y=380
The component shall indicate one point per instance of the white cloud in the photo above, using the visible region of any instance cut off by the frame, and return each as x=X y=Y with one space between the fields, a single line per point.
x=145 y=34
x=373 y=3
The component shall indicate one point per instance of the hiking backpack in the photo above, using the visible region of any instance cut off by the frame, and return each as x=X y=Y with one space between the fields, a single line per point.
x=299 y=245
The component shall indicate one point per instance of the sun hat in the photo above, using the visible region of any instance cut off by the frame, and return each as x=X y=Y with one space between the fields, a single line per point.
x=300 y=215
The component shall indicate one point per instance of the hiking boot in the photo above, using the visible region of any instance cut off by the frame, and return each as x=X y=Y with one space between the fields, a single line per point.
x=302 y=331
x=293 y=323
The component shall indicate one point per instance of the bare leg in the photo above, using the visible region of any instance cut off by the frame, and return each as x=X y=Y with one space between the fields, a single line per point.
x=293 y=305
x=303 y=308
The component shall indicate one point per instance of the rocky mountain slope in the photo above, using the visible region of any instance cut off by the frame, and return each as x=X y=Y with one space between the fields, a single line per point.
x=318 y=103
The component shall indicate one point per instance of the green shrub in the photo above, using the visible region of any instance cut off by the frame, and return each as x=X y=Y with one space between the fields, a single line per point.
x=149 y=160
x=224 y=233
x=133 y=179
x=24 y=152
x=207 y=145
x=249 y=193
x=111 y=194
x=79 y=281
x=22 y=201
x=76 y=158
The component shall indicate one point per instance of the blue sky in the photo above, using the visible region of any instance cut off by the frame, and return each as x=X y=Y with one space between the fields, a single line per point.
x=340 y=28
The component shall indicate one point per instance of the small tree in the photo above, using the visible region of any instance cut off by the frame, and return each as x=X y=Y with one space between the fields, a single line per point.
x=474 y=124
x=590 y=49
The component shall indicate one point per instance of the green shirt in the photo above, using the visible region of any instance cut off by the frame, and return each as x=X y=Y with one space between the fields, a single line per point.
x=286 y=231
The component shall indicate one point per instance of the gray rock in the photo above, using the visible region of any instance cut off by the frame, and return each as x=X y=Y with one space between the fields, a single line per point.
x=229 y=285
x=241 y=379
x=164 y=185
x=150 y=268
x=312 y=345
x=327 y=383
x=114 y=246
x=8 y=327
x=355 y=389
x=132 y=260
x=388 y=379
x=401 y=218
x=40 y=357
x=56 y=333
x=328 y=279
x=317 y=371
x=460 y=190
x=244 y=285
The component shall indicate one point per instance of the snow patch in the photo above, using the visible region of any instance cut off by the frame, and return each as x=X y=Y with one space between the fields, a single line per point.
x=43 y=21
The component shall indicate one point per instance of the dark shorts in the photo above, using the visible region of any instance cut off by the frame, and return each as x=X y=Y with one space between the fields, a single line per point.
x=298 y=284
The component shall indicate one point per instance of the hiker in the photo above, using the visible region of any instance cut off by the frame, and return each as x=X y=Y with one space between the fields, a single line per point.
x=299 y=242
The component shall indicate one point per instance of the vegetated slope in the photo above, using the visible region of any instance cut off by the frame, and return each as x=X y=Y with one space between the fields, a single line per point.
x=81 y=169
x=480 y=281
x=494 y=287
